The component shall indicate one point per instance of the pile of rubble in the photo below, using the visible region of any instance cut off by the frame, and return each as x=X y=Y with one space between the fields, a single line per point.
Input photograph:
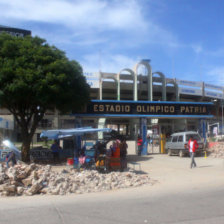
x=41 y=179
x=217 y=151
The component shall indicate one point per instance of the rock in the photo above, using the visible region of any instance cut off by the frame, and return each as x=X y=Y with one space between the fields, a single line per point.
x=56 y=190
x=10 y=188
x=5 y=193
x=217 y=151
x=64 y=171
x=2 y=187
x=35 y=188
x=2 y=178
x=16 y=183
x=30 y=168
x=1 y=168
x=20 y=190
x=21 y=175
x=12 y=173
x=27 y=182
x=44 y=190
x=48 y=168
x=27 y=193
x=34 y=174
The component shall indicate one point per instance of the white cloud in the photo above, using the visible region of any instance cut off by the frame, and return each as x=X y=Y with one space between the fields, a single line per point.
x=82 y=27
x=108 y=63
x=76 y=14
x=93 y=20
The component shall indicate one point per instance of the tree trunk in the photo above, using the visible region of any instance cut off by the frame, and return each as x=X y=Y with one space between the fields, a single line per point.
x=26 y=150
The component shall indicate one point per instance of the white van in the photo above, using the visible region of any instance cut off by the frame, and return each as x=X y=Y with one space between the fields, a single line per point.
x=177 y=143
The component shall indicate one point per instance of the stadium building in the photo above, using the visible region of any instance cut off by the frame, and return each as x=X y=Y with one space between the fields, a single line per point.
x=139 y=101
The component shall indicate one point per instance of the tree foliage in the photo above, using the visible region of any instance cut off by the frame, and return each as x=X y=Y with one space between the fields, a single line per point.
x=36 y=77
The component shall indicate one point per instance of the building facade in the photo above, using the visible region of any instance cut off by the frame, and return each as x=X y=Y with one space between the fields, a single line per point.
x=129 y=85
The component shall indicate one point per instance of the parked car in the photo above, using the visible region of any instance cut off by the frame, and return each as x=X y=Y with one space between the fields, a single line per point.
x=177 y=143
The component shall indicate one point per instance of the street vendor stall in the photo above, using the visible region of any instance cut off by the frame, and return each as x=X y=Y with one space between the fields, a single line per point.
x=97 y=154
x=75 y=135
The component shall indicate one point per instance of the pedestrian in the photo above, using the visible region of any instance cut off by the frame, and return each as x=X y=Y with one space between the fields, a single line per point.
x=11 y=156
x=55 y=150
x=192 y=146
x=123 y=154
x=139 y=143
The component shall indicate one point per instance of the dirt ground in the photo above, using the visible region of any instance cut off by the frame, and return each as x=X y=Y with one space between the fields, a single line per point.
x=174 y=173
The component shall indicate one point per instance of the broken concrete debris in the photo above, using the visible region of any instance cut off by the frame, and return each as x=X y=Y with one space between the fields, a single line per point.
x=34 y=179
x=217 y=150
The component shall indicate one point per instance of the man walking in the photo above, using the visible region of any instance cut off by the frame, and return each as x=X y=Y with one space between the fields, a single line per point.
x=10 y=157
x=192 y=146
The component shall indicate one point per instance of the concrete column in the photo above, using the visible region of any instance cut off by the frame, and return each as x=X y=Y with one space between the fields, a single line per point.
x=118 y=87
x=101 y=87
x=162 y=76
x=149 y=73
x=101 y=124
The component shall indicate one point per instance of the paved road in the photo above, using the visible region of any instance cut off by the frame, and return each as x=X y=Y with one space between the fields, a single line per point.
x=182 y=195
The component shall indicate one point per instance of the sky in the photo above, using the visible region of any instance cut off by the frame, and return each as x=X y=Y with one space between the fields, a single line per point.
x=184 y=39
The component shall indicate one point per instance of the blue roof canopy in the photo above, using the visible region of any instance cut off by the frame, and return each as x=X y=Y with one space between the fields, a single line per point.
x=63 y=133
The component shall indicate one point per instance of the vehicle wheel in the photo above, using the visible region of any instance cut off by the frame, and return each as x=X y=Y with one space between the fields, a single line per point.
x=181 y=153
x=169 y=152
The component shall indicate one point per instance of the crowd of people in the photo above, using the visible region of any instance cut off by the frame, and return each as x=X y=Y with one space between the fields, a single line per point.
x=112 y=157
x=104 y=157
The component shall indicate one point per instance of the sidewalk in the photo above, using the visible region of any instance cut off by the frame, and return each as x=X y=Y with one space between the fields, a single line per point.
x=175 y=173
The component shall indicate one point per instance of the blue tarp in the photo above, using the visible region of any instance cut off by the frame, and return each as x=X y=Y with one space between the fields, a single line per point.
x=63 y=133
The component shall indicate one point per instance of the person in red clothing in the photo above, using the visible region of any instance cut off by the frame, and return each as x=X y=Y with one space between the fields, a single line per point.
x=139 y=143
x=192 y=146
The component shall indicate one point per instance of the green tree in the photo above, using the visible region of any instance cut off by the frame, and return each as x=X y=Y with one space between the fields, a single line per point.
x=36 y=77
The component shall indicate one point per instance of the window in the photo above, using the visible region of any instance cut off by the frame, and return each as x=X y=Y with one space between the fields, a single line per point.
x=180 y=139
x=45 y=123
x=174 y=138
x=168 y=139
x=67 y=123
x=193 y=136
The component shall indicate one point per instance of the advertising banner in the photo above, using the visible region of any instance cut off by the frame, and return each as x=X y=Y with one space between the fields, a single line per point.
x=190 y=91
x=189 y=83
x=213 y=94
x=210 y=86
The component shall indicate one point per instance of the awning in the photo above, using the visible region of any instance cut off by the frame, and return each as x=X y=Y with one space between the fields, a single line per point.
x=63 y=133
